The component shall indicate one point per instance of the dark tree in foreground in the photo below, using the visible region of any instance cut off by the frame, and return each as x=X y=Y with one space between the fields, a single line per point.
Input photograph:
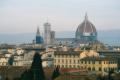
x=110 y=73
x=11 y=60
x=6 y=78
x=56 y=73
x=27 y=75
x=36 y=71
x=16 y=78
x=101 y=78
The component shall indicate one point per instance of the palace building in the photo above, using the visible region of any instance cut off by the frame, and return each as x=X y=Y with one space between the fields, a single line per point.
x=89 y=60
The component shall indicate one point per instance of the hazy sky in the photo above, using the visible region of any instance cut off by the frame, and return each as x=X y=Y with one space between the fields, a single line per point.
x=23 y=16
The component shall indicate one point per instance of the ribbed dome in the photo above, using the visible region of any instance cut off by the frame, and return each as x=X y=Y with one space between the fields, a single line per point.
x=86 y=29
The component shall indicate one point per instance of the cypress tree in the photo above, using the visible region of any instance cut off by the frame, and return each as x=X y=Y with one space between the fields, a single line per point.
x=6 y=78
x=36 y=67
x=11 y=60
x=36 y=71
x=56 y=73
x=27 y=75
x=110 y=73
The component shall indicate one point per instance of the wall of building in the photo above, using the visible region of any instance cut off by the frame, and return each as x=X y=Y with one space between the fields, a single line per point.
x=73 y=61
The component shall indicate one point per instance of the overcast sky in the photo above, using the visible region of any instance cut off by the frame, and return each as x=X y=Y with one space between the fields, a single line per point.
x=23 y=16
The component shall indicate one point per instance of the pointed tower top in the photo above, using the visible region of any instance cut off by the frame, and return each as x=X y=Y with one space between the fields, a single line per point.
x=86 y=17
x=38 y=32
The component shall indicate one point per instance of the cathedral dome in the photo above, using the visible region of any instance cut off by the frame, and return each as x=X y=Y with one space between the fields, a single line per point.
x=86 y=29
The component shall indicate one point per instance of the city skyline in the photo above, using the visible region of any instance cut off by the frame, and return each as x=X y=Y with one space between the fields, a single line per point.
x=23 y=16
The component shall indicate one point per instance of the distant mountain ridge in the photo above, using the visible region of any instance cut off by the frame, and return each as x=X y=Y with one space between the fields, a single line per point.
x=109 y=37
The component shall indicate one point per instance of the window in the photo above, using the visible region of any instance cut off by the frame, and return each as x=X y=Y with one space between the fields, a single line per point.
x=104 y=69
x=99 y=62
x=66 y=66
x=109 y=62
x=93 y=62
x=64 y=56
x=93 y=68
x=100 y=69
x=69 y=66
x=89 y=69
x=58 y=61
x=66 y=61
x=74 y=61
x=62 y=66
x=115 y=68
x=62 y=61
x=104 y=62
x=70 y=61
x=55 y=65
x=89 y=62
x=55 y=60
x=82 y=62
x=67 y=56
x=59 y=56
x=73 y=66
x=78 y=61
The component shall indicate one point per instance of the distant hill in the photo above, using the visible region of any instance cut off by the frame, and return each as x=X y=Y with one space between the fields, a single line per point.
x=17 y=38
x=109 y=37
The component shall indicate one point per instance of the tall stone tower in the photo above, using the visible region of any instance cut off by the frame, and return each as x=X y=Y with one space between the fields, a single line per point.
x=52 y=37
x=39 y=39
x=47 y=33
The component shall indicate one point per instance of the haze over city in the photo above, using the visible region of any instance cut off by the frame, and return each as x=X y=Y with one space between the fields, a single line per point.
x=59 y=40
x=23 y=16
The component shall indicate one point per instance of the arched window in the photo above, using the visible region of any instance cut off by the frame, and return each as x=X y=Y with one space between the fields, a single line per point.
x=85 y=62
x=74 y=61
x=62 y=66
x=66 y=66
x=89 y=62
x=70 y=61
x=93 y=62
x=62 y=61
x=93 y=69
x=100 y=68
x=66 y=61
x=81 y=62
x=74 y=66
x=89 y=68
x=58 y=61
x=99 y=62
x=69 y=66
